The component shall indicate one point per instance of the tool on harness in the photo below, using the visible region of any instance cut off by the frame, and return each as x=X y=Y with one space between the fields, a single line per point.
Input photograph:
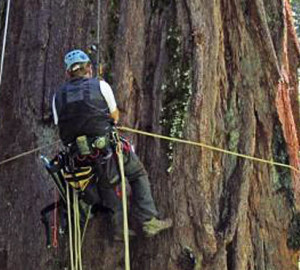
x=45 y=218
x=93 y=159
x=83 y=146
x=89 y=146
x=100 y=153
x=100 y=142
x=54 y=167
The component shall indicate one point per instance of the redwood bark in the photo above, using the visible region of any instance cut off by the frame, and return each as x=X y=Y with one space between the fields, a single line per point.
x=204 y=70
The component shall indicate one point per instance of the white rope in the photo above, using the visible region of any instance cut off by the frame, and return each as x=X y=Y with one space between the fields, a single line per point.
x=4 y=40
x=98 y=31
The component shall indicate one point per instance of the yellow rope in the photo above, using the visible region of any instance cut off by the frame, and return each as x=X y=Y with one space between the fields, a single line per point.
x=124 y=202
x=199 y=144
x=74 y=242
x=28 y=152
x=70 y=226
x=213 y=148
x=75 y=230
x=86 y=223
x=79 y=240
x=78 y=261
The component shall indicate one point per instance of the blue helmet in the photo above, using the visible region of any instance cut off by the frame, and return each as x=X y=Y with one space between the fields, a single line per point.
x=76 y=56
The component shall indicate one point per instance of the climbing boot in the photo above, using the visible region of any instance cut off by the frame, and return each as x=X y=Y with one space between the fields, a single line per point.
x=155 y=226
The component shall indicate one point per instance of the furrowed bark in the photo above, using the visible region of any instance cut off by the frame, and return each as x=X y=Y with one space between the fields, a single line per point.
x=221 y=72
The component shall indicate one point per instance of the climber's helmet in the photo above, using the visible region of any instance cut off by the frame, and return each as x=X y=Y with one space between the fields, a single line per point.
x=75 y=57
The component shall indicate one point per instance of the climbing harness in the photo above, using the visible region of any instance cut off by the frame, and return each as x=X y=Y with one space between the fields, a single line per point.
x=4 y=40
x=80 y=178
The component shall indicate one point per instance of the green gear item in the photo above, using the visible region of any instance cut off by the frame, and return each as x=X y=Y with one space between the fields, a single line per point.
x=155 y=226
x=83 y=145
x=100 y=142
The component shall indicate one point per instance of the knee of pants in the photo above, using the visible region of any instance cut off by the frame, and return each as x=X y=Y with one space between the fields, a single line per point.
x=90 y=195
x=110 y=199
x=134 y=168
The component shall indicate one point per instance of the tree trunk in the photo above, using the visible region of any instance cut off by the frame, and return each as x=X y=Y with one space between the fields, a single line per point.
x=218 y=72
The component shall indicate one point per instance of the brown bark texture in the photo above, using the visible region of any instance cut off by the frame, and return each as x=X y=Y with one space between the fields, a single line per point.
x=222 y=72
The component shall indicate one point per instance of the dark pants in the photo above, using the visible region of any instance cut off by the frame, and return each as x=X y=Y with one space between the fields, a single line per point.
x=143 y=204
x=141 y=193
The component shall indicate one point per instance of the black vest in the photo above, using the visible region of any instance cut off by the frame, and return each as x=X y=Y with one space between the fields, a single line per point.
x=81 y=110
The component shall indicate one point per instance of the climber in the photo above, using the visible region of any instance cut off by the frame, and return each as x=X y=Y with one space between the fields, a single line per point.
x=85 y=111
